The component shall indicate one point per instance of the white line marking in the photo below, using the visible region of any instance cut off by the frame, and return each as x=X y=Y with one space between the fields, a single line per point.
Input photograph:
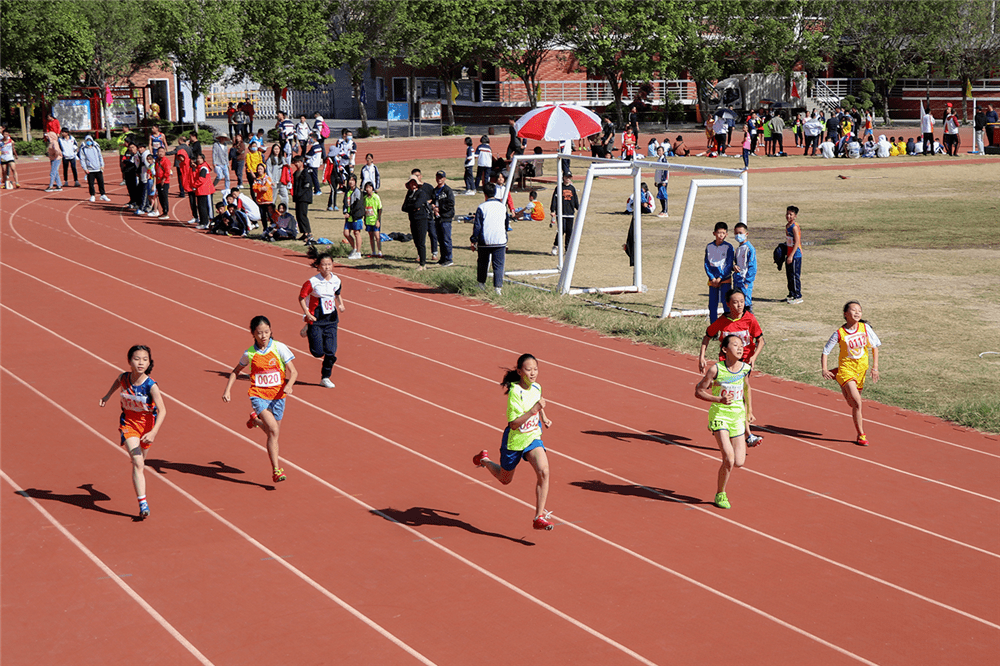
x=109 y=574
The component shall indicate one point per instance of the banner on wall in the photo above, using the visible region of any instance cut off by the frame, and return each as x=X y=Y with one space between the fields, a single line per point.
x=123 y=111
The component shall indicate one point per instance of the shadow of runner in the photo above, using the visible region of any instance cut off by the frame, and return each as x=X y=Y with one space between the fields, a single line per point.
x=418 y=515
x=645 y=492
x=220 y=468
x=88 y=501
x=649 y=436
x=803 y=434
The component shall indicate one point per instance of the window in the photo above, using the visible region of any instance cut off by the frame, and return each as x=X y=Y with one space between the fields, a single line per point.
x=400 y=87
x=379 y=89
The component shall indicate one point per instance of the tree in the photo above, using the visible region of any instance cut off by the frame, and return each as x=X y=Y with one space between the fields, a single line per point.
x=887 y=40
x=291 y=47
x=530 y=31
x=40 y=62
x=434 y=35
x=126 y=38
x=204 y=37
x=623 y=41
x=365 y=30
x=967 y=42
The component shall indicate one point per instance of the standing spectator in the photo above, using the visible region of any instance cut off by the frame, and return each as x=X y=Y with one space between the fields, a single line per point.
x=55 y=157
x=417 y=205
x=812 y=128
x=157 y=139
x=719 y=263
x=249 y=110
x=240 y=120
x=470 y=161
x=255 y=157
x=204 y=190
x=516 y=144
x=263 y=192
x=238 y=156
x=754 y=125
x=348 y=150
x=194 y=143
x=950 y=133
x=162 y=171
x=633 y=121
x=354 y=216
x=484 y=161
x=278 y=165
x=286 y=129
x=370 y=174
x=302 y=133
x=777 y=135
x=979 y=123
x=130 y=172
x=992 y=117
x=230 y=112
x=314 y=162
x=570 y=203
x=320 y=129
x=69 y=148
x=182 y=147
x=745 y=273
x=662 y=178
x=302 y=195
x=607 y=137
x=489 y=238
x=185 y=173
x=444 y=212
x=721 y=132
x=927 y=129
x=52 y=125
x=793 y=256
x=373 y=218
x=220 y=161
x=92 y=163
x=8 y=157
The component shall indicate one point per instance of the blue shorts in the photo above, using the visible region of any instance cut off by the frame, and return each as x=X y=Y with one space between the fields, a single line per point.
x=276 y=407
x=353 y=225
x=371 y=227
x=509 y=459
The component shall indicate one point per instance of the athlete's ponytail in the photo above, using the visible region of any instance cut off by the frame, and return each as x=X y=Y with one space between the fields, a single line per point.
x=512 y=376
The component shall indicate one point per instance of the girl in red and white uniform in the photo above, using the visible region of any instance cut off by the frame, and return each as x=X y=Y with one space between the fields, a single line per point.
x=142 y=415
x=320 y=301
x=272 y=375
x=854 y=338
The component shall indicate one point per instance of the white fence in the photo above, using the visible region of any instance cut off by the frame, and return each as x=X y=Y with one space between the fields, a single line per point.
x=595 y=92
x=298 y=102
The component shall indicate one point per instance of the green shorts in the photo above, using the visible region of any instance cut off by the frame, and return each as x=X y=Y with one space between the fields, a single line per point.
x=734 y=423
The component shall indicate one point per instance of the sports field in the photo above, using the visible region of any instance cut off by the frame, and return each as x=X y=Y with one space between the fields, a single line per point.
x=386 y=546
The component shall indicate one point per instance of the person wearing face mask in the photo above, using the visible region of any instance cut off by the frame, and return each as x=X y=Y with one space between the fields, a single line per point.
x=746 y=264
x=254 y=159
x=92 y=162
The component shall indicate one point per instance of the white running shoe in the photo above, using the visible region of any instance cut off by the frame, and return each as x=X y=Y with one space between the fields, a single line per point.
x=91 y=199
x=104 y=197
x=326 y=383
x=555 y=251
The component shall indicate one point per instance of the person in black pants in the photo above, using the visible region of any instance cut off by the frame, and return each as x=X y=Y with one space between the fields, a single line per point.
x=417 y=205
x=444 y=212
x=570 y=203
x=489 y=238
x=320 y=301
x=302 y=195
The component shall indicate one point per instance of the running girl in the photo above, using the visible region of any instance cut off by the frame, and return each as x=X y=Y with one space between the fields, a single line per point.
x=142 y=415
x=521 y=437
x=855 y=338
x=726 y=384
x=320 y=301
x=268 y=361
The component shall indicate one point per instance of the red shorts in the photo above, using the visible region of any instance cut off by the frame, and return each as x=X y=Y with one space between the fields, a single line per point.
x=136 y=424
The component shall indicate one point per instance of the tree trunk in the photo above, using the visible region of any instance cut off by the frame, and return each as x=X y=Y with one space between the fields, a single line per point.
x=195 y=94
x=885 y=101
x=362 y=111
x=277 y=100
x=451 y=108
x=616 y=88
x=529 y=87
x=106 y=117
x=966 y=82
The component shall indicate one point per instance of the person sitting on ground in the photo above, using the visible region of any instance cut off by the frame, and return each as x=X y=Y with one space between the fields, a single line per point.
x=238 y=222
x=901 y=146
x=282 y=226
x=826 y=149
x=680 y=148
x=883 y=148
x=938 y=148
x=220 y=223
x=893 y=148
x=247 y=206
x=645 y=197
x=533 y=211
x=911 y=146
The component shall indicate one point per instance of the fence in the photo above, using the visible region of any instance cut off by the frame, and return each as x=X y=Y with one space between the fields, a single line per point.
x=297 y=102
x=592 y=92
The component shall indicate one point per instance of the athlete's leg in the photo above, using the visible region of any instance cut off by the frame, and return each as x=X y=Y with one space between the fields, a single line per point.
x=270 y=426
x=728 y=458
x=540 y=462
x=138 y=456
x=502 y=475
x=853 y=397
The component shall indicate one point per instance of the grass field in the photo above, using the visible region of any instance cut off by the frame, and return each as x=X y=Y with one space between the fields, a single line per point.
x=916 y=245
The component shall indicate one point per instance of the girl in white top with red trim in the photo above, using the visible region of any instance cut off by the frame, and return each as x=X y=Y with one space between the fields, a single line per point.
x=320 y=301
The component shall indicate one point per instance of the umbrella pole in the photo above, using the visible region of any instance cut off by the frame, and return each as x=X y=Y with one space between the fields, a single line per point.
x=559 y=212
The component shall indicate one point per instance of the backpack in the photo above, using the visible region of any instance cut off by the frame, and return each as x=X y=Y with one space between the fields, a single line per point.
x=324 y=131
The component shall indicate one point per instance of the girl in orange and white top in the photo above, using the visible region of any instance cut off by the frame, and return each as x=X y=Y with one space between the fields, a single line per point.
x=272 y=375
x=263 y=192
x=142 y=415
x=854 y=338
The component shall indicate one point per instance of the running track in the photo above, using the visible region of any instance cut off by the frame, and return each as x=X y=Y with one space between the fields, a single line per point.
x=385 y=545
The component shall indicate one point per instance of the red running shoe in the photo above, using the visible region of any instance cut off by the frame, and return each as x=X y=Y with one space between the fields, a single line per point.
x=250 y=422
x=862 y=440
x=542 y=522
x=478 y=459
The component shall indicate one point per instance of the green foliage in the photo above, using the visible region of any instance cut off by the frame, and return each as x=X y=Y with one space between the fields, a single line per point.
x=866 y=97
x=365 y=132
x=982 y=413
x=33 y=147
x=451 y=130
x=530 y=30
x=273 y=134
x=107 y=144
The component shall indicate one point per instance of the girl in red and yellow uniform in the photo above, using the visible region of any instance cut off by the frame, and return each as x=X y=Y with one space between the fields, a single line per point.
x=855 y=338
x=272 y=375
x=142 y=415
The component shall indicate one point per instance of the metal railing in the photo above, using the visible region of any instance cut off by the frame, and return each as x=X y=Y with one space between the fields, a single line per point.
x=589 y=91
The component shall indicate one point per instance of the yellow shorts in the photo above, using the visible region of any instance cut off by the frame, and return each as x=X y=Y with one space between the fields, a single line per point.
x=851 y=369
x=734 y=423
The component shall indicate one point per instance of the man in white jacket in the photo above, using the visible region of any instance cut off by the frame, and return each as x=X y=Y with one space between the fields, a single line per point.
x=69 y=147
x=489 y=237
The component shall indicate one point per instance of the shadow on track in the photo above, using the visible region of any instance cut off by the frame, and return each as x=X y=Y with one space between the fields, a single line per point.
x=214 y=470
x=88 y=501
x=418 y=515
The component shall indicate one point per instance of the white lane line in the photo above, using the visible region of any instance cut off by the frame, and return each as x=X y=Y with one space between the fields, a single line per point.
x=444 y=303
x=603 y=539
x=249 y=539
x=510 y=586
x=162 y=621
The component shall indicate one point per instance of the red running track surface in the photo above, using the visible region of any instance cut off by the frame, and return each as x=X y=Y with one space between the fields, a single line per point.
x=385 y=545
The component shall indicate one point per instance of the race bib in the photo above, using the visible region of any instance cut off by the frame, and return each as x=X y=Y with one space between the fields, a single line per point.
x=735 y=394
x=328 y=304
x=530 y=425
x=267 y=379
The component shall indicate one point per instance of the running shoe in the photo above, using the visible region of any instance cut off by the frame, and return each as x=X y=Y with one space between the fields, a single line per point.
x=753 y=440
x=278 y=475
x=143 y=510
x=721 y=501
x=250 y=421
x=326 y=383
x=542 y=522
x=91 y=199
x=862 y=440
x=480 y=458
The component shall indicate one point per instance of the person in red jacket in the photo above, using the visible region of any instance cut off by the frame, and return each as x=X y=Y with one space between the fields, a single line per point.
x=204 y=189
x=52 y=124
x=186 y=175
x=163 y=182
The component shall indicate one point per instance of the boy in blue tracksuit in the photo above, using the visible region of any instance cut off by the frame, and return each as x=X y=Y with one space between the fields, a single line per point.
x=746 y=265
x=719 y=258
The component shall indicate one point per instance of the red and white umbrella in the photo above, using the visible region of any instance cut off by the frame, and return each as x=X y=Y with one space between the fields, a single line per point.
x=558 y=123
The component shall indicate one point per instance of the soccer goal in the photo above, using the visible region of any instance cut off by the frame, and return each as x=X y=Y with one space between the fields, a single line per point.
x=597 y=167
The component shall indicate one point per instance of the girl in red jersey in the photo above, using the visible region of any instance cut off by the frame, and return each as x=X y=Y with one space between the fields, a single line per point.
x=854 y=338
x=142 y=415
x=272 y=375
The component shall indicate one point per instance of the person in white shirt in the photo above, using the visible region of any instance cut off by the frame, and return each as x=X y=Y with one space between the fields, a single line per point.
x=826 y=149
x=927 y=129
x=69 y=147
x=883 y=147
x=370 y=174
x=812 y=128
x=302 y=130
x=248 y=206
